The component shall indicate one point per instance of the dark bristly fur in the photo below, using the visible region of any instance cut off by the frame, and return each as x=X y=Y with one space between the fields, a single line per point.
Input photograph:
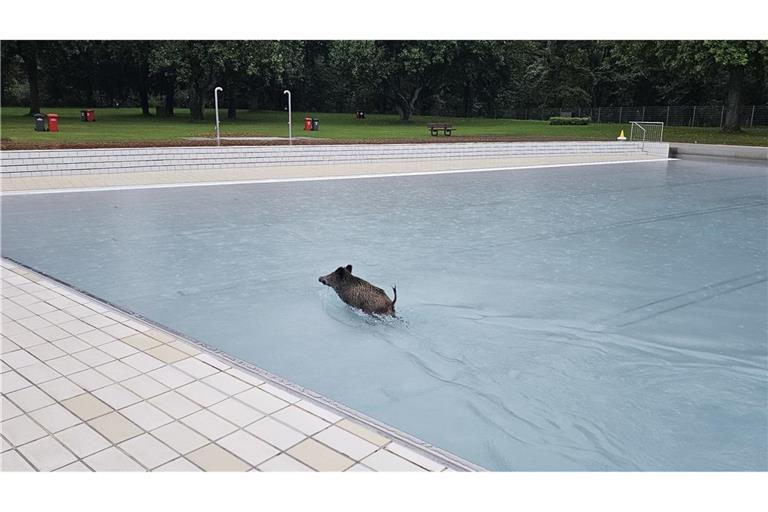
x=359 y=293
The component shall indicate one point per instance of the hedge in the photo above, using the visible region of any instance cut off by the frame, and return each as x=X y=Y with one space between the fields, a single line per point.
x=568 y=120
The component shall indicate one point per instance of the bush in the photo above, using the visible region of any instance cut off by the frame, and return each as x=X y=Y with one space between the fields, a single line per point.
x=568 y=120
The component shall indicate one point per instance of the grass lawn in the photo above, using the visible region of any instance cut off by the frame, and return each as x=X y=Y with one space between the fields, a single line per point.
x=121 y=127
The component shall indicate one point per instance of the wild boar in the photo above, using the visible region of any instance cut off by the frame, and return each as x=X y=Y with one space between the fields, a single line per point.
x=359 y=293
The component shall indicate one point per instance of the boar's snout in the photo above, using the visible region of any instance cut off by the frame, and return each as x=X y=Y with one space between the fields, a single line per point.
x=322 y=280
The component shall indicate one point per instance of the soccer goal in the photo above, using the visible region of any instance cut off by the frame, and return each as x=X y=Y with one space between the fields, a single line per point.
x=646 y=131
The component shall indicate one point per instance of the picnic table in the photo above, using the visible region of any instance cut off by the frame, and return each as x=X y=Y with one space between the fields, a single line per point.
x=435 y=128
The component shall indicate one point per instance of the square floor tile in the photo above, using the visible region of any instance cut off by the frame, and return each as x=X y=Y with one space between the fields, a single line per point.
x=364 y=432
x=115 y=427
x=280 y=393
x=11 y=381
x=93 y=357
x=360 y=468
x=79 y=311
x=118 y=371
x=40 y=308
x=148 y=451
x=46 y=351
x=317 y=410
x=201 y=393
x=141 y=341
x=415 y=457
x=9 y=409
x=300 y=420
x=226 y=383
x=252 y=450
x=185 y=347
x=167 y=354
x=261 y=400
x=57 y=317
x=180 y=464
x=319 y=457
x=86 y=406
x=215 y=458
x=67 y=365
x=47 y=454
x=146 y=416
x=383 y=460
x=25 y=339
x=209 y=424
x=160 y=335
x=112 y=459
x=20 y=358
x=71 y=345
x=90 y=379
x=61 y=388
x=96 y=337
x=82 y=440
x=76 y=327
x=12 y=461
x=245 y=376
x=236 y=412
x=180 y=437
x=144 y=386
x=33 y=323
x=275 y=433
x=143 y=362
x=346 y=443
x=75 y=467
x=38 y=373
x=213 y=361
x=29 y=399
x=195 y=368
x=174 y=404
x=116 y=396
x=283 y=462
x=137 y=326
x=118 y=349
x=96 y=319
x=52 y=333
x=55 y=418
x=21 y=430
x=170 y=376
x=119 y=331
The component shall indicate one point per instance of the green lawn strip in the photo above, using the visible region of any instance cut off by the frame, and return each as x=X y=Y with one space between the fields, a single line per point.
x=128 y=126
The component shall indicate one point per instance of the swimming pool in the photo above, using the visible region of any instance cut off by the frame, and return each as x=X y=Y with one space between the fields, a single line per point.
x=607 y=317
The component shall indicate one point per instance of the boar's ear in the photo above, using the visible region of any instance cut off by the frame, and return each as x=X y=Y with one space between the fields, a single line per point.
x=339 y=272
x=349 y=268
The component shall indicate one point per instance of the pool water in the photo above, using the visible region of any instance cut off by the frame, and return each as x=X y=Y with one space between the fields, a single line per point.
x=608 y=317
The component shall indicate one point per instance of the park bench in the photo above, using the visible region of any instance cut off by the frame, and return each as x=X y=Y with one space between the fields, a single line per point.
x=434 y=128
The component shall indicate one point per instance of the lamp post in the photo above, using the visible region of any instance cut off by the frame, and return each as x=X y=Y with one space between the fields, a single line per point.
x=290 y=139
x=216 y=106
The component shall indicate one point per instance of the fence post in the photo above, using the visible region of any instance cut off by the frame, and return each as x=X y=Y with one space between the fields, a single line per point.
x=598 y=114
x=752 y=119
x=667 y=123
x=620 y=114
x=693 y=118
x=722 y=113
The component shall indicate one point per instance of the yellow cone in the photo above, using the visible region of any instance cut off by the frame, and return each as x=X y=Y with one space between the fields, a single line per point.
x=621 y=136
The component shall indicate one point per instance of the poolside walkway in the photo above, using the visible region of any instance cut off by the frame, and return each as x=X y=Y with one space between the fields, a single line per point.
x=87 y=388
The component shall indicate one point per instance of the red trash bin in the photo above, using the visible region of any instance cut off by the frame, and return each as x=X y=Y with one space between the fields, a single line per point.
x=53 y=122
x=307 y=124
x=90 y=115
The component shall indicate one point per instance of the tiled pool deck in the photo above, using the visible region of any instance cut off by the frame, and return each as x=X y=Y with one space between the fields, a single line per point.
x=86 y=387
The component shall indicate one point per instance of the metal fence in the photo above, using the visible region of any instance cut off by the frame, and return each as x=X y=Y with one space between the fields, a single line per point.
x=705 y=116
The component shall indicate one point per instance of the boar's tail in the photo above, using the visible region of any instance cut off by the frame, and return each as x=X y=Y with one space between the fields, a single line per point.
x=394 y=289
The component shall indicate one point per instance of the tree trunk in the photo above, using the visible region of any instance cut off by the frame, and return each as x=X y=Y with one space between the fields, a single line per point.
x=735 y=85
x=30 y=65
x=467 y=99
x=196 y=102
x=144 y=98
x=406 y=105
x=231 y=102
x=170 y=98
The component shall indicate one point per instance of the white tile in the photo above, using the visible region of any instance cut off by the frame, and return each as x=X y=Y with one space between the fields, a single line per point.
x=21 y=430
x=174 y=404
x=7 y=346
x=25 y=339
x=143 y=362
x=47 y=454
x=33 y=323
x=118 y=371
x=82 y=440
x=317 y=410
x=76 y=327
x=180 y=437
x=383 y=460
x=283 y=462
x=46 y=351
x=146 y=416
x=61 y=388
x=12 y=461
x=9 y=409
x=93 y=357
x=245 y=376
x=97 y=320
x=118 y=349
x=90 y=380
x=345 y=442
x=55 y=418
x=413 y=456
x=116 y=396
x=213 y=361
x=137 y=326
x=180 y=464
x=280 y=393
x=226 y=383
x=275 y=433
x=40 y=308
x=119 y=331
x=201 y=393
x=11 y=381
x=67 y=365
x=170 y=376
x=112 y=459
x=96 y=337
x=148 y=451
x=75 y=467
x=79 y=311
x=236 y=412
x=300 y=420
x=57 y=317
x=261 y=400
x=144 y=386
x=38 y=373
x=185 y=347
x=209 y=424
x=71 y=345
x=30 y=399
x=361 y=468
x=195 y=368
x=252 y=450
x=52 y=333
x=20 y=358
